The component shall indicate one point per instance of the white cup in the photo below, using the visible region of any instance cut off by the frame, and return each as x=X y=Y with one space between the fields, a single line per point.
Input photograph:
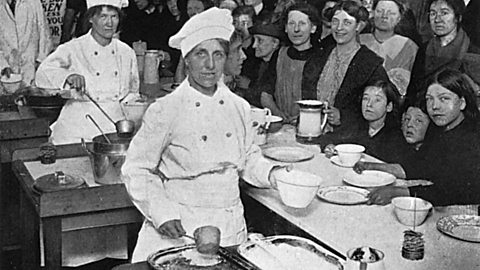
x=366 y=263
x=260 y=124
x=349 y=154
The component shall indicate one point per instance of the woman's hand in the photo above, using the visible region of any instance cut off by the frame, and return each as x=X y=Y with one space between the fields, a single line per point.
x=76 y=81
x=329 y=150
x=384 y=195
x=361 y=166
x=333 y=116
x=172 y=228
x=272 y=178
x=7 y=72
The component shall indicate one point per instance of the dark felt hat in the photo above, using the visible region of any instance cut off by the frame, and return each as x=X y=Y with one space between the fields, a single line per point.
x=275 y=30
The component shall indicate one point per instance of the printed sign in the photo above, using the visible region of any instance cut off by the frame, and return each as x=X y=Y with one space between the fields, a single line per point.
x=54 y=11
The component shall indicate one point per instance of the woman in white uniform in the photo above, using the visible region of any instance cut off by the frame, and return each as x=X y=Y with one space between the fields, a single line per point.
x=183 y=166
x=96 y=63
x=106 y=68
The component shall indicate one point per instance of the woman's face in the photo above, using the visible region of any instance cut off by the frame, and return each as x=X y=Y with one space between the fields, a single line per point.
x=194 y=7
x=173 y=7
x=442 y=18
x=105 y=23
x=344 y=27
x=374 y=104
x=205 y=64
x=414 y=125
x=386 y=16
x=242 y=23
x=299 y=28
x=264 y=45
x=444 y=106
x=236 y=56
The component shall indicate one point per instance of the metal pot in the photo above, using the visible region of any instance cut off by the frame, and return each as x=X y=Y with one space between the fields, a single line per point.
x=125 y=128
x=43 y=104
x=107 y=158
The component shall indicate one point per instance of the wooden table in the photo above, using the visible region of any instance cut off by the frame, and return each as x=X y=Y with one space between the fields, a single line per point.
x=345 y=227
x=67 y=210
x=18 y=129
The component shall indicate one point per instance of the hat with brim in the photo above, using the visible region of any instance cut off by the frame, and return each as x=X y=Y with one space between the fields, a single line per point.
x=268 y=29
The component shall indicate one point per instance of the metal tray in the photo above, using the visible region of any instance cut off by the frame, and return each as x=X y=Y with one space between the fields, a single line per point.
x=326 y=261
x=163 y=260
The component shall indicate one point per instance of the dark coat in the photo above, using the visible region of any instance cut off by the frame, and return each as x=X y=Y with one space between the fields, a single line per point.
x=365 y=69
x=451 y=160
x=469 y=63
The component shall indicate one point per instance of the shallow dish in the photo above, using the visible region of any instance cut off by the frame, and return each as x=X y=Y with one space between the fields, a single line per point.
x=287 y=153
x=368 y=179
x=463 y=227
x=336 y=160
x=293 y=251
x=343 y=195
x=274 y=119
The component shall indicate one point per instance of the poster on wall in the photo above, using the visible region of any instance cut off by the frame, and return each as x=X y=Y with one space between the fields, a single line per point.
x=54 y=11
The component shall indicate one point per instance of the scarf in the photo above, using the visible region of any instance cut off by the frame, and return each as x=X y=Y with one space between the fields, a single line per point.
x=436 y=56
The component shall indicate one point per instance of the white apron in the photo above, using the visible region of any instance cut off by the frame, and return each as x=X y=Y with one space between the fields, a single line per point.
x=200 y=204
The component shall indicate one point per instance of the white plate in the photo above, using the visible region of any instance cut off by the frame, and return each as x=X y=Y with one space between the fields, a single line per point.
x=463 y=227
x=368 y=178
x=287 y=153
x=336 y=160
x=275 y=119
x=343 y=195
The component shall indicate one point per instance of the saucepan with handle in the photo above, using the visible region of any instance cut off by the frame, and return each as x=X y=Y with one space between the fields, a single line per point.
x=125 y=128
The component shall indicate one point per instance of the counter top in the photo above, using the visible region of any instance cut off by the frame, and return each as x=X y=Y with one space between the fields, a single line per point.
x=344 y=227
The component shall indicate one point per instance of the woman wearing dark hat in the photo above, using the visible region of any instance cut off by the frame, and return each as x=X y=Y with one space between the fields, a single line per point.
x=267 y=39
x=183 y=166
x=282 y=82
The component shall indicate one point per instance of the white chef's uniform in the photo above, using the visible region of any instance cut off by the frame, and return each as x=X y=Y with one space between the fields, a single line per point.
x=185 y=162
x=24 y=37
x=110 y=73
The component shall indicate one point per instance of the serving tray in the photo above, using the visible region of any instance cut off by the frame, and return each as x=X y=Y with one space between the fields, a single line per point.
x=291 y=251
x=177 y=258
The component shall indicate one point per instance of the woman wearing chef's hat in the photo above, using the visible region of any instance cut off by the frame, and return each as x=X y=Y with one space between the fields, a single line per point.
x=183 y=166
x=96 y=63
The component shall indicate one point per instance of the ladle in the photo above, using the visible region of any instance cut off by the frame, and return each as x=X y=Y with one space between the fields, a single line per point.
x=124 y=127
x=207 y=239
x=88 y=116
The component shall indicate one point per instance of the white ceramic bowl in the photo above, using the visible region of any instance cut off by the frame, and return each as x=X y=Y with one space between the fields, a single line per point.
x=403 y=207
x=349 y=154
x=297 y=188
x=11 y=84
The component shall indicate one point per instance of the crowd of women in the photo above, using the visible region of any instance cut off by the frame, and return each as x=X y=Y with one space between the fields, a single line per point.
x=411 y=104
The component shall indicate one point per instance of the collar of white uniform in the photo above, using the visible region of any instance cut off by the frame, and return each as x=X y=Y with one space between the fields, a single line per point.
x=220 y=93
x=97 y=46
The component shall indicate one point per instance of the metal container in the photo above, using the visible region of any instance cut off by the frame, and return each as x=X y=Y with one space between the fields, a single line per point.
x=107 y=158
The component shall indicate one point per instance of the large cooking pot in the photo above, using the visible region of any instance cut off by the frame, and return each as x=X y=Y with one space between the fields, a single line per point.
x=41 y=102
x=107 y=158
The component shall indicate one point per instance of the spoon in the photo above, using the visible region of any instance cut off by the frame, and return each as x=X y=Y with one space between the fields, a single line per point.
x=88 y=116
